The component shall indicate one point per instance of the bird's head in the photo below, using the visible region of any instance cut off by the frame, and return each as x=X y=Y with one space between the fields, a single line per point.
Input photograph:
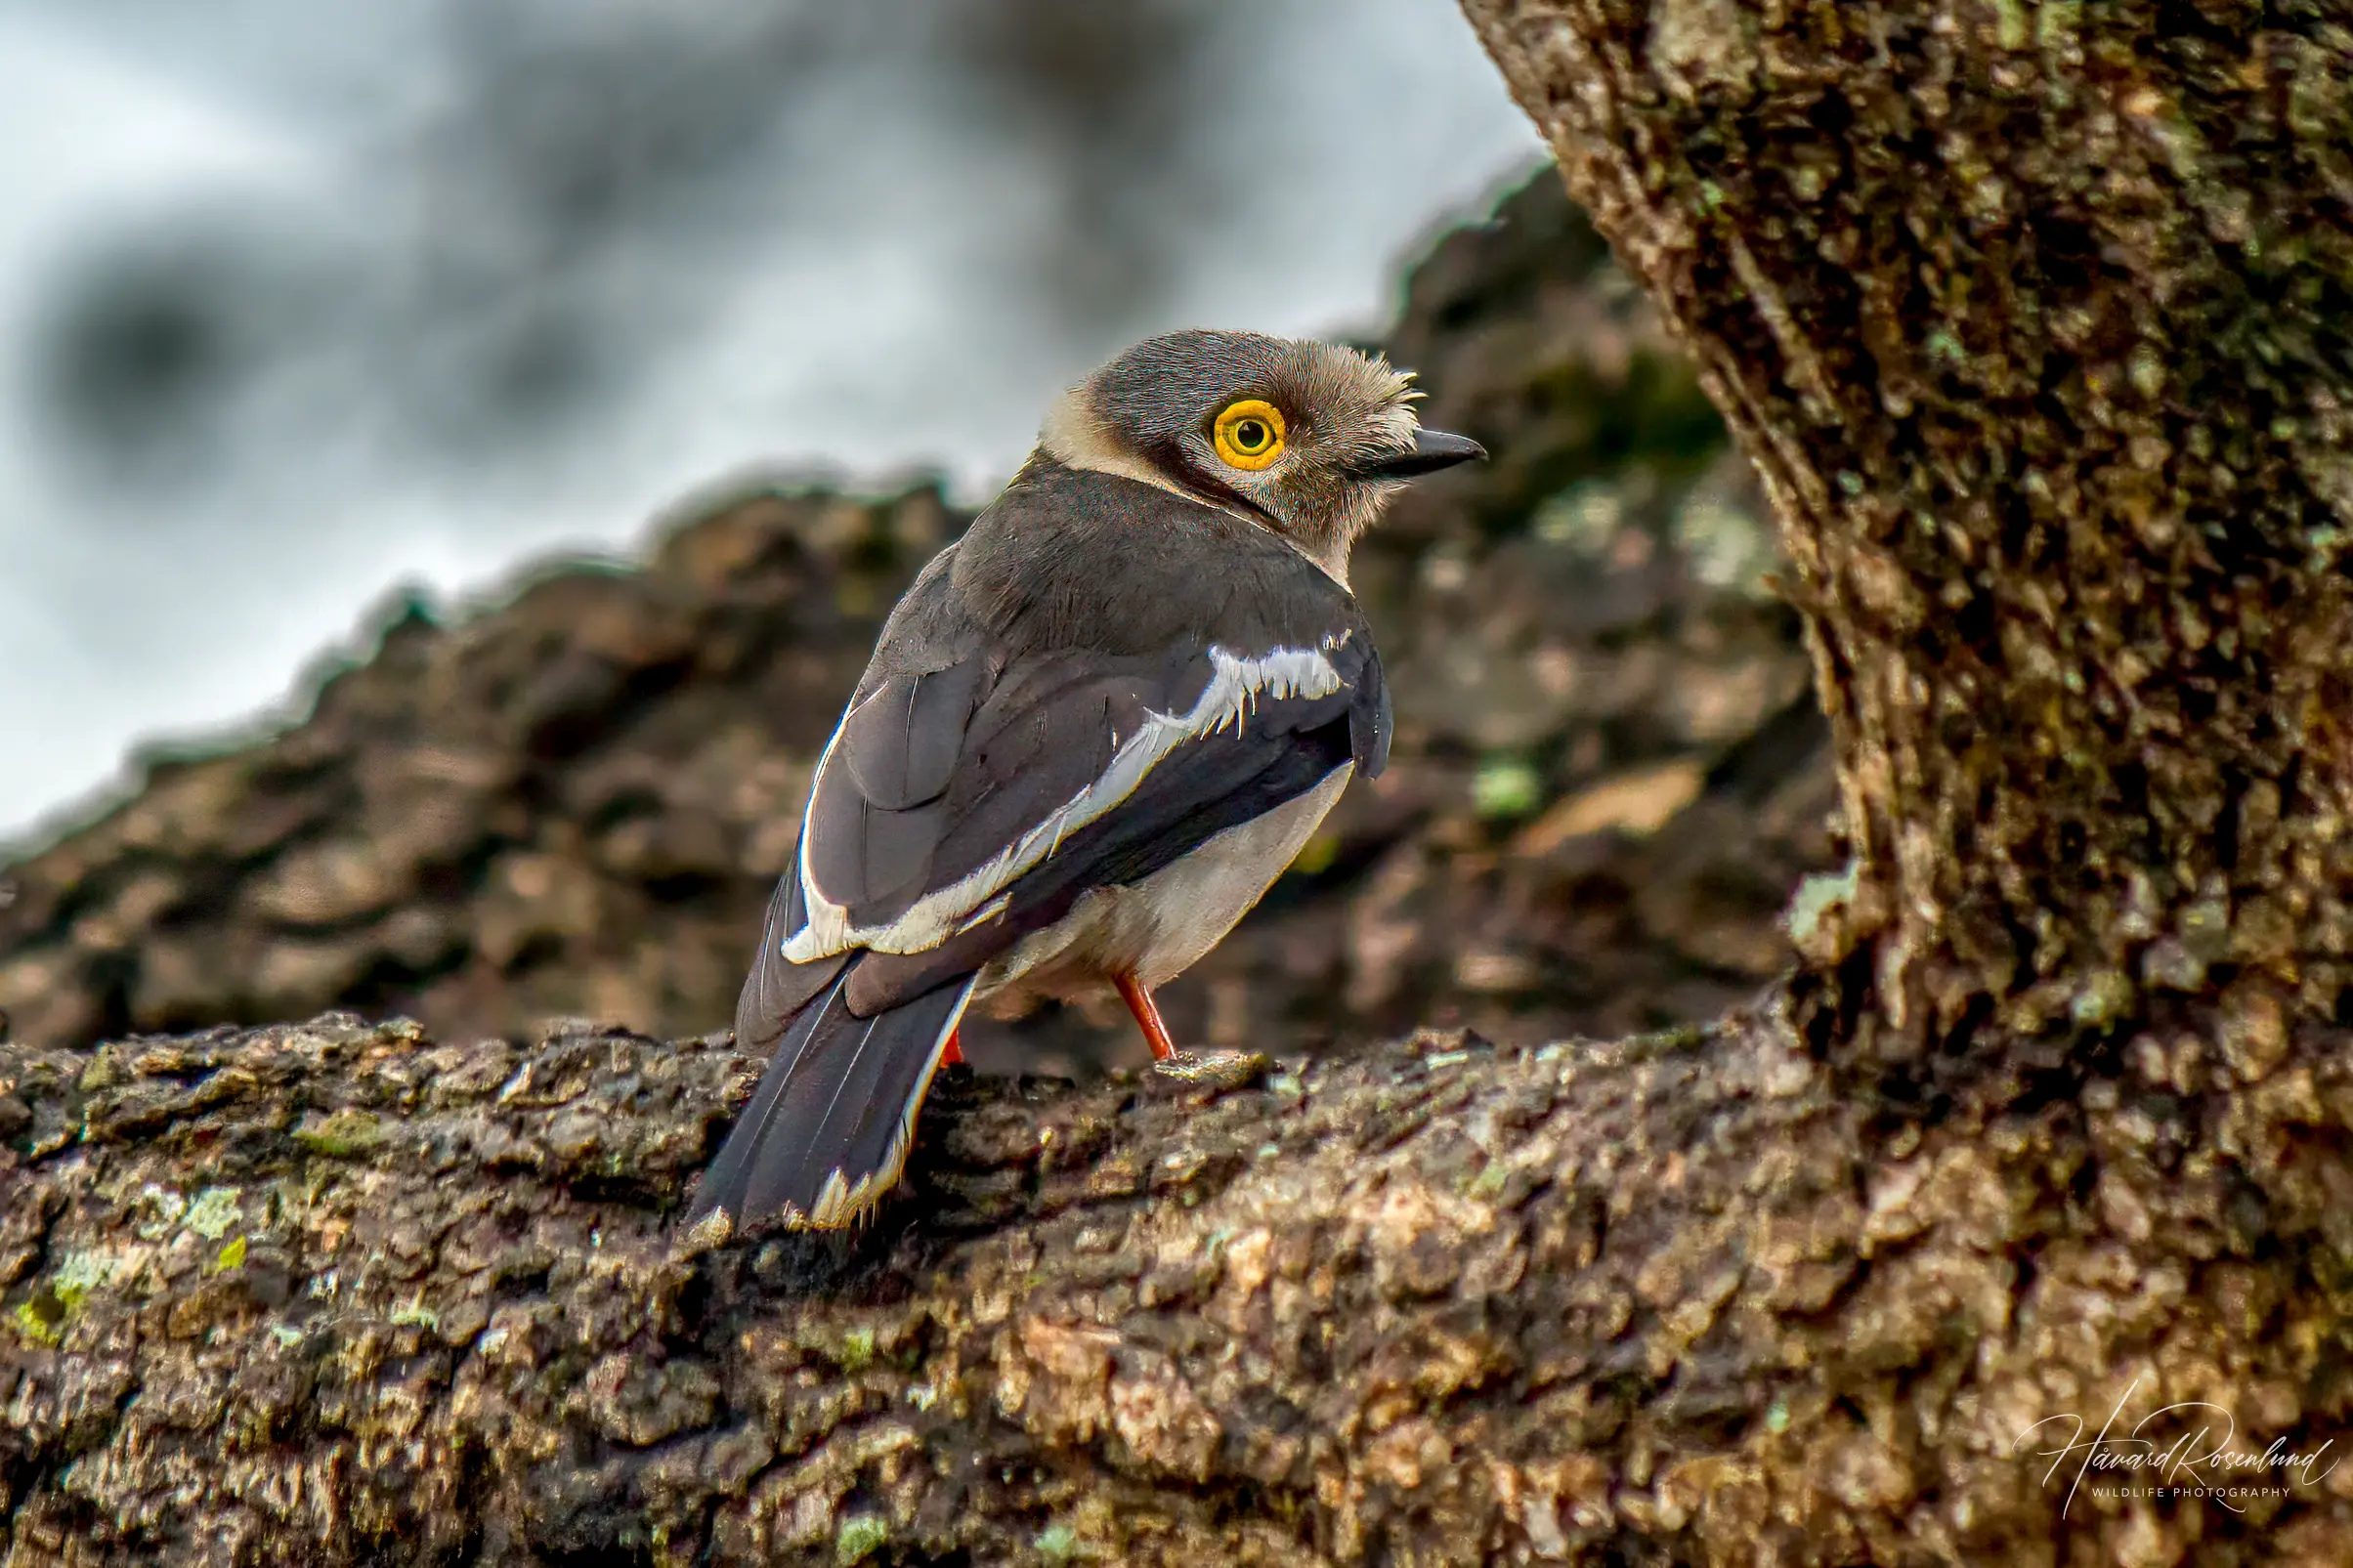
x=1310 y=439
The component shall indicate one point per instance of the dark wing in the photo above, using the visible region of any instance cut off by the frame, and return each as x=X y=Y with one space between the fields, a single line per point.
x=874 y=820
x=1104 y=776
x=879 y=808
x=958 y=810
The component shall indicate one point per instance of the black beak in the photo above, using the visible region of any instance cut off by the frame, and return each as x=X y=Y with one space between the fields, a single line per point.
x=1432 y=449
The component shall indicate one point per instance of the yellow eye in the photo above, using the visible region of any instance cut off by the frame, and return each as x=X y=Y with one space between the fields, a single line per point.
x=1250 y=433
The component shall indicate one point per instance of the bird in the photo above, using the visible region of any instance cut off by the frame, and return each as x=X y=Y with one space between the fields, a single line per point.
x=1093 y=732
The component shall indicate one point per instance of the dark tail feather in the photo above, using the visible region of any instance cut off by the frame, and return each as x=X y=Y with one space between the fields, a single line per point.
x=826 y=1132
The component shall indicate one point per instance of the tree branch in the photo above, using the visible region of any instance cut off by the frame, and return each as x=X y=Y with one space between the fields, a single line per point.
x=329 y=1293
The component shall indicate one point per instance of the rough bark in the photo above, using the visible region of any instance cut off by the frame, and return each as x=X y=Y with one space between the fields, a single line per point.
x=2056 y=1122
x=334 y=1294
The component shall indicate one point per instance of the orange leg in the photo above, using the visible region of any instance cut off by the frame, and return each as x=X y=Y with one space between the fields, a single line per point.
x=1147 y=1017
x=955 y=1053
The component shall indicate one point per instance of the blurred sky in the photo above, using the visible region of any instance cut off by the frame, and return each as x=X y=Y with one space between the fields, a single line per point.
x=299 y=301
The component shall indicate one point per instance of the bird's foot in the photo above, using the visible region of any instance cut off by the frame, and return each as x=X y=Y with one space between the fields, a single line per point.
x=1213 y=1070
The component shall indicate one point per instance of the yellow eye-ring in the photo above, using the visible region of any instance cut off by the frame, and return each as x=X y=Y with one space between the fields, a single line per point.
x=1250 y=433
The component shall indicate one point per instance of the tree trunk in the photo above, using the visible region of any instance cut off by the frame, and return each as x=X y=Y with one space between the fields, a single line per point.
x=2032 y=318
x=2037 y=320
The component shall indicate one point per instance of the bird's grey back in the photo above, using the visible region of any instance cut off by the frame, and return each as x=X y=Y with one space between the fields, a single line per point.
x=1067 y=558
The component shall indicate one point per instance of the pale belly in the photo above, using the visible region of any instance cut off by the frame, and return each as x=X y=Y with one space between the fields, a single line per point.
x=1158 y=928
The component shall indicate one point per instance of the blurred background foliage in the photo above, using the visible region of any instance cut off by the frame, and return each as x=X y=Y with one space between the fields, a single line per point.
x=617 y=253
x=298 y=302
